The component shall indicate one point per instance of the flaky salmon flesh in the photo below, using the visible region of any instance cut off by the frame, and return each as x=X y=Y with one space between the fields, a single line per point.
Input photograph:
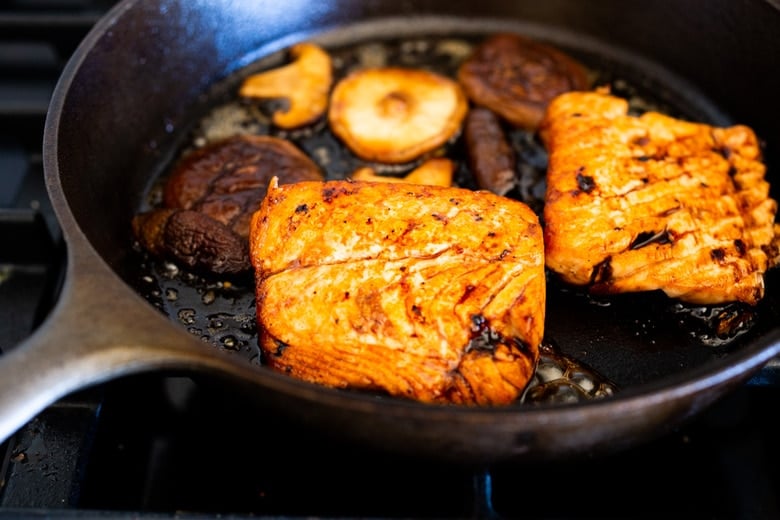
x=431 y=293
x=651 y=202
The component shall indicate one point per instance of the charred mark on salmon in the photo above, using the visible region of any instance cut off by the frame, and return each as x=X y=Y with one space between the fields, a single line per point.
x=484 y=338
x=669 y=211
x=466 y=293
x=280 y=347
x=584 y=182
x=602 y=271
x=520 y=345
x=724 y=151
x=718 y=254
x=329 y=193
x=650 y=237
x=478 y=322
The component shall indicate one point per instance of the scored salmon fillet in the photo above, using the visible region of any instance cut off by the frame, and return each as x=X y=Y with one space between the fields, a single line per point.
x=432 y=293
x=640 y=203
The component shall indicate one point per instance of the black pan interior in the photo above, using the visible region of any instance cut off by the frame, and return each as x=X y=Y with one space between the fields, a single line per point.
x=628 y=340
x=124 y=145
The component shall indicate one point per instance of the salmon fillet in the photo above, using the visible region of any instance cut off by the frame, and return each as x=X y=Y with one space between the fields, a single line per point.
x=431 y=293
x=641 y=203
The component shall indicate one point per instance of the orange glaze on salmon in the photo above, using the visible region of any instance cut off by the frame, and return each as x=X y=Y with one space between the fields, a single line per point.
x=653 y=202
x=431 y=293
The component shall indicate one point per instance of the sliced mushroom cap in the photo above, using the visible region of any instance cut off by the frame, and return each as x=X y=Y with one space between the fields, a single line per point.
x=210 y=196
x=228 y=179
x=305 y=84
x=437 y=171
x=395 y=115
x=193 y=240
x=516 y=77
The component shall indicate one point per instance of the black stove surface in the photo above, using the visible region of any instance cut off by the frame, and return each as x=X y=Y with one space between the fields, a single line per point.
x=163 y=445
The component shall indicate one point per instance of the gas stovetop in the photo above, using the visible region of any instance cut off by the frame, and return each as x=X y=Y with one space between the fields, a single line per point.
x=163 y=445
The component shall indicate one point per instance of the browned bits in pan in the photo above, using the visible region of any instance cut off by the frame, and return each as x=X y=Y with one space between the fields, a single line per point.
x=304 y=84
x=516 y=77
x=396 y=115
x=219 y=186
x=490 y=155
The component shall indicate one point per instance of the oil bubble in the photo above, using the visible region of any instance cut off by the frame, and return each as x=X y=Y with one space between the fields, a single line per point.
x=187 y=316
x=230 y=342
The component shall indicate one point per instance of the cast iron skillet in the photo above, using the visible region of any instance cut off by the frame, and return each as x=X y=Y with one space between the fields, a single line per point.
x=139 y=79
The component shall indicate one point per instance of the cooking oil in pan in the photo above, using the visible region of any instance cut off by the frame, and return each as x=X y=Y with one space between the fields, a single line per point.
x=574 y=365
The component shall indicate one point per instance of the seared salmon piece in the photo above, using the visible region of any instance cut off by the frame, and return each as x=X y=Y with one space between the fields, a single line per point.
x=431 y=293
x=649 y=202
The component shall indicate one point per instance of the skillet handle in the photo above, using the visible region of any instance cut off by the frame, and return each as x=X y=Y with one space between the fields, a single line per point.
x=98 y=330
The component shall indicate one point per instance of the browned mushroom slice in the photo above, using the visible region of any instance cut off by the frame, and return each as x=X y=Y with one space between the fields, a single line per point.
x=209 y=199
x=305 y=84
x=516 y=77
x=395 y=115
x=491 y=158
x=193 y=240
x=228 y=179
x=437 y=171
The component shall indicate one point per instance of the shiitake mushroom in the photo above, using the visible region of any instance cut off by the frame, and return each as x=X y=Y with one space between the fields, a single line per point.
x=304 y=84
x=516 y=77
x=209 y=198
x=491 y=157
x=394 y=114
x=437 y=171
